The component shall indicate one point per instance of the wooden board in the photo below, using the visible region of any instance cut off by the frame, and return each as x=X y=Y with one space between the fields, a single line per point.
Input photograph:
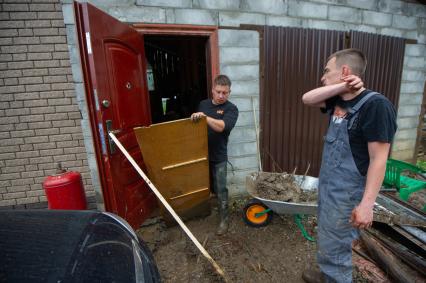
x=176 y=158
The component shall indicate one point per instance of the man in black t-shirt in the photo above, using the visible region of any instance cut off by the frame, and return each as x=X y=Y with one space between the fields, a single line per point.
x=361 y=128
x=221 y=116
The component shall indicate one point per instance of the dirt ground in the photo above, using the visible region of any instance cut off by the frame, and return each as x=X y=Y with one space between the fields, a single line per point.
x=275 y=253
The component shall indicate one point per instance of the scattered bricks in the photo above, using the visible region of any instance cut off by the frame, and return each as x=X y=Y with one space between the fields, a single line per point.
x=27 y=200
x=27 y=154
x=30 y=80
x=44 y=159
x=46 y=31
x=31 y=118
x=40 y=125
x=42 y=7
x=56 y=116
x=47 y=132
x=52 y=94
x=63 y=137
x=404 y=22
x=37 y=87
x=37 y=24
x=37 y=139
x=49 y=152
x=55 y=79
x=64 y=123
x=42 y=110
x=26 y=96
x=46 y=64
x=25 y=32
x=46 y=145
x=22 y=134
x=12 y=169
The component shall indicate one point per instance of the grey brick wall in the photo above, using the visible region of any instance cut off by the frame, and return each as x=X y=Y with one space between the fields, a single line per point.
x=39 y=117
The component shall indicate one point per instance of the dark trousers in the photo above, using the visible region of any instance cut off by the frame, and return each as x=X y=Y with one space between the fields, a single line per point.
x=218 y=173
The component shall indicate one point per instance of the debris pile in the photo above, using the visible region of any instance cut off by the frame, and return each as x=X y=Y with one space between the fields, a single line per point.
x=282 y=187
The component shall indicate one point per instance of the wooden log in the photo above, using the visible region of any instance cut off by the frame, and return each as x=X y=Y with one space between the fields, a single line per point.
x=388 y=262
x=368 y=270
x=406 y=255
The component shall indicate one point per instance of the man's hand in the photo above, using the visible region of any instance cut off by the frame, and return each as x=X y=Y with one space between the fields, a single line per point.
x=353 y=83
x=197 y=116
x=362 y=216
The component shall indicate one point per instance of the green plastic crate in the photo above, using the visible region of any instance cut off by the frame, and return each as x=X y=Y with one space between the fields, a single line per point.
x=405 y=184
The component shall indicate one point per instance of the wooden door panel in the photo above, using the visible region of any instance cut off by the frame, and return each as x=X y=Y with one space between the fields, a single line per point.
x=113 y=60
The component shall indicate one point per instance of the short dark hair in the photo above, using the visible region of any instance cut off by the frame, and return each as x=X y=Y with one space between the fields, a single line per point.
x=222 y=80
x=352 y=57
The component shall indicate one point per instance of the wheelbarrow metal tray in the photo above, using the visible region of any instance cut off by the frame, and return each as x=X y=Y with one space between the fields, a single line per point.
x=307 y=183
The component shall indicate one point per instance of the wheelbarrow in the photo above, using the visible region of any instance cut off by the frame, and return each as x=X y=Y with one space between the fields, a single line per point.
x=258 y=212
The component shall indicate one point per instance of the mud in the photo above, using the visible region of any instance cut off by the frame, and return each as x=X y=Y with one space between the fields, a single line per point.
x=282 y=187
x=418 y=199
x=275 y=253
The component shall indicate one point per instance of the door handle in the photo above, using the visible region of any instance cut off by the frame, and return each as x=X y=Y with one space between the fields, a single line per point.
x=112 y=146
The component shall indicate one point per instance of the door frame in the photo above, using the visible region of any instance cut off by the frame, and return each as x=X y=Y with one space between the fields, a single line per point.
x=211 y=32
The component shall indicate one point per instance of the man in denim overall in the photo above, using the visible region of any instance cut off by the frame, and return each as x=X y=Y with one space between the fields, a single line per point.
x=356 y=147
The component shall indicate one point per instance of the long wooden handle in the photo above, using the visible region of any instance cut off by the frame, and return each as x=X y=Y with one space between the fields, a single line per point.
x=169 y=208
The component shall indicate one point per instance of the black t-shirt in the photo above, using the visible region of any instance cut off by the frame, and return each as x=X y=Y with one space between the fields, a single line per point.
x=376 y=122
x=218 y=142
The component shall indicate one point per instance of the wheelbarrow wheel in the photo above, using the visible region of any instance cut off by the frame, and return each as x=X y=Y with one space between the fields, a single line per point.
x=256 y=214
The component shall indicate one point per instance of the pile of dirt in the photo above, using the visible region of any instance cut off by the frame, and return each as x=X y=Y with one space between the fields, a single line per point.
x=275 y=253
x=282 y=187
x=418 y=199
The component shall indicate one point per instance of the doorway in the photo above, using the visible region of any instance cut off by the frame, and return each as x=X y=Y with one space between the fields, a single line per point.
x=177 y=75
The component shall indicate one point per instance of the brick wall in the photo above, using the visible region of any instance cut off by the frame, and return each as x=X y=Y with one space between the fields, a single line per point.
x=39 y=115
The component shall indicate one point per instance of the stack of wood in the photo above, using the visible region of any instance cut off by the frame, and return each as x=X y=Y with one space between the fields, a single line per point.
x=388 y=254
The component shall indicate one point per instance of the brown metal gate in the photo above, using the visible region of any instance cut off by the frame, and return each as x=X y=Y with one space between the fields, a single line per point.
x=385 y=55
x=292 y=62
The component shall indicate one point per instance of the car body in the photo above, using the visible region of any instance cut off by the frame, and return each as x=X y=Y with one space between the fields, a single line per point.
x=71 y=246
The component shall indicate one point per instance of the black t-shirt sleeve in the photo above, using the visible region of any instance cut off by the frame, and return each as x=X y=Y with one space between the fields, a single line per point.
x=329 y=105
x=230 y=118
x=379 y=125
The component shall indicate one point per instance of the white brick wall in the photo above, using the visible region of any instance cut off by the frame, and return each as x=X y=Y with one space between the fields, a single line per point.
x=39 y=122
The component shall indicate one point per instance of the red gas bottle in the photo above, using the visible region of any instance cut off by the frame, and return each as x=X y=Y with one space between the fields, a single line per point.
x=65 y=190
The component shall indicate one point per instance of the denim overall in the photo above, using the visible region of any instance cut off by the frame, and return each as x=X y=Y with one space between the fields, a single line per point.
x=341 y=188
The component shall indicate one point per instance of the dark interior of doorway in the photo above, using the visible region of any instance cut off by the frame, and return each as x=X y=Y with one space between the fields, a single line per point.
x=177 y=75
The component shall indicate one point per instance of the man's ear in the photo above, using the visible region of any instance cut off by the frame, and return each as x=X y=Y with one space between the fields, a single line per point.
x=346 y=71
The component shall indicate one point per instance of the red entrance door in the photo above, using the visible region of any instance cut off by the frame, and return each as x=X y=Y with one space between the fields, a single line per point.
x=114 y=69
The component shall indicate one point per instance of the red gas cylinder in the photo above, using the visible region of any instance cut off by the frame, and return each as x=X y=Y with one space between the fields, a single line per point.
x=65 y=190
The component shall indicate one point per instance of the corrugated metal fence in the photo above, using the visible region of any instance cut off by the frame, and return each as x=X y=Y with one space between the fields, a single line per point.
x=292 y=63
